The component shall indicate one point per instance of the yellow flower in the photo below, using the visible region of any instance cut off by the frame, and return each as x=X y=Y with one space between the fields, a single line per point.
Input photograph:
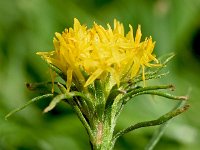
x=100 y=52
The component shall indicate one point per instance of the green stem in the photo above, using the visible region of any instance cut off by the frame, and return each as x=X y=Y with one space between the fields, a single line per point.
x=103 y=136
x=84 y=122
x=100 y=98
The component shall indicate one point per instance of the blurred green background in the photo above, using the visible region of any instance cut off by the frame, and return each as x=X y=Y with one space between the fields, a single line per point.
x=28 y=26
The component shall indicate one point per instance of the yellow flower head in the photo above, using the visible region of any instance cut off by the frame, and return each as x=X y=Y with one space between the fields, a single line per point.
x=100 y=52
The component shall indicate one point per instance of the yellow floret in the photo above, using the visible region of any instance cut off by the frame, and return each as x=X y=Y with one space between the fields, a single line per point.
x=100 y=51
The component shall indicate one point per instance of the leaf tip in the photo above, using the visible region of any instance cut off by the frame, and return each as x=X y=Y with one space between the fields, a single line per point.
x=47 y=109
x=172 y=87
x=6 y=117
x=184 y=97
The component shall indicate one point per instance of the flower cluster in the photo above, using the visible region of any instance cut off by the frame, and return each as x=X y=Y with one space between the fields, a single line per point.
x=101 y=68
x=100 y=53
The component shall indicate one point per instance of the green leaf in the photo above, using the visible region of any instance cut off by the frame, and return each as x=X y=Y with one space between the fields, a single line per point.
x=132 y=92
x=83 y=97
x=61 y=87
x=164 y=60
x=54 y=102
x=27 y=104
x=147 y=88
x=166 y=95
x=156 y=122
x=160 y=131
x=111 y=97
x=167 y=58
x=149 y=76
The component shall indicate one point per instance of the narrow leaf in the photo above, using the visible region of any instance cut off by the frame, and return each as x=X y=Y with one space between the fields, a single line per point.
x=62 y=88
x=158 y=93
x=156 y=122
x=149 y=76
x=160 y=131
x=28 y=103
x=132 y=92
x=154 y=74
x=54 y=102
x=169 y=58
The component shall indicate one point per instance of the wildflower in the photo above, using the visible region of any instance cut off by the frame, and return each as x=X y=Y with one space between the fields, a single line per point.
x=103 y=65
x=100 y=53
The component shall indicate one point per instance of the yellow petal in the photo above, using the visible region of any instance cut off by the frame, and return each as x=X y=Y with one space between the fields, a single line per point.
x=56 y=44
x=77 y=25
x=69 y=78
x=135 y=68
x=138 y=36
x=94 y=76
x=130 y=34
x=100 y=51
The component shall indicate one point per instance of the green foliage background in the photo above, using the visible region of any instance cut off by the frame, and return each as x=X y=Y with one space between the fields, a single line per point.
x=29 y=26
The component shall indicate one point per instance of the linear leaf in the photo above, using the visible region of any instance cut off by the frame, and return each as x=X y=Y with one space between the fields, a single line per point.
x=156 y=122
x=28 y=103
x=54 y=102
